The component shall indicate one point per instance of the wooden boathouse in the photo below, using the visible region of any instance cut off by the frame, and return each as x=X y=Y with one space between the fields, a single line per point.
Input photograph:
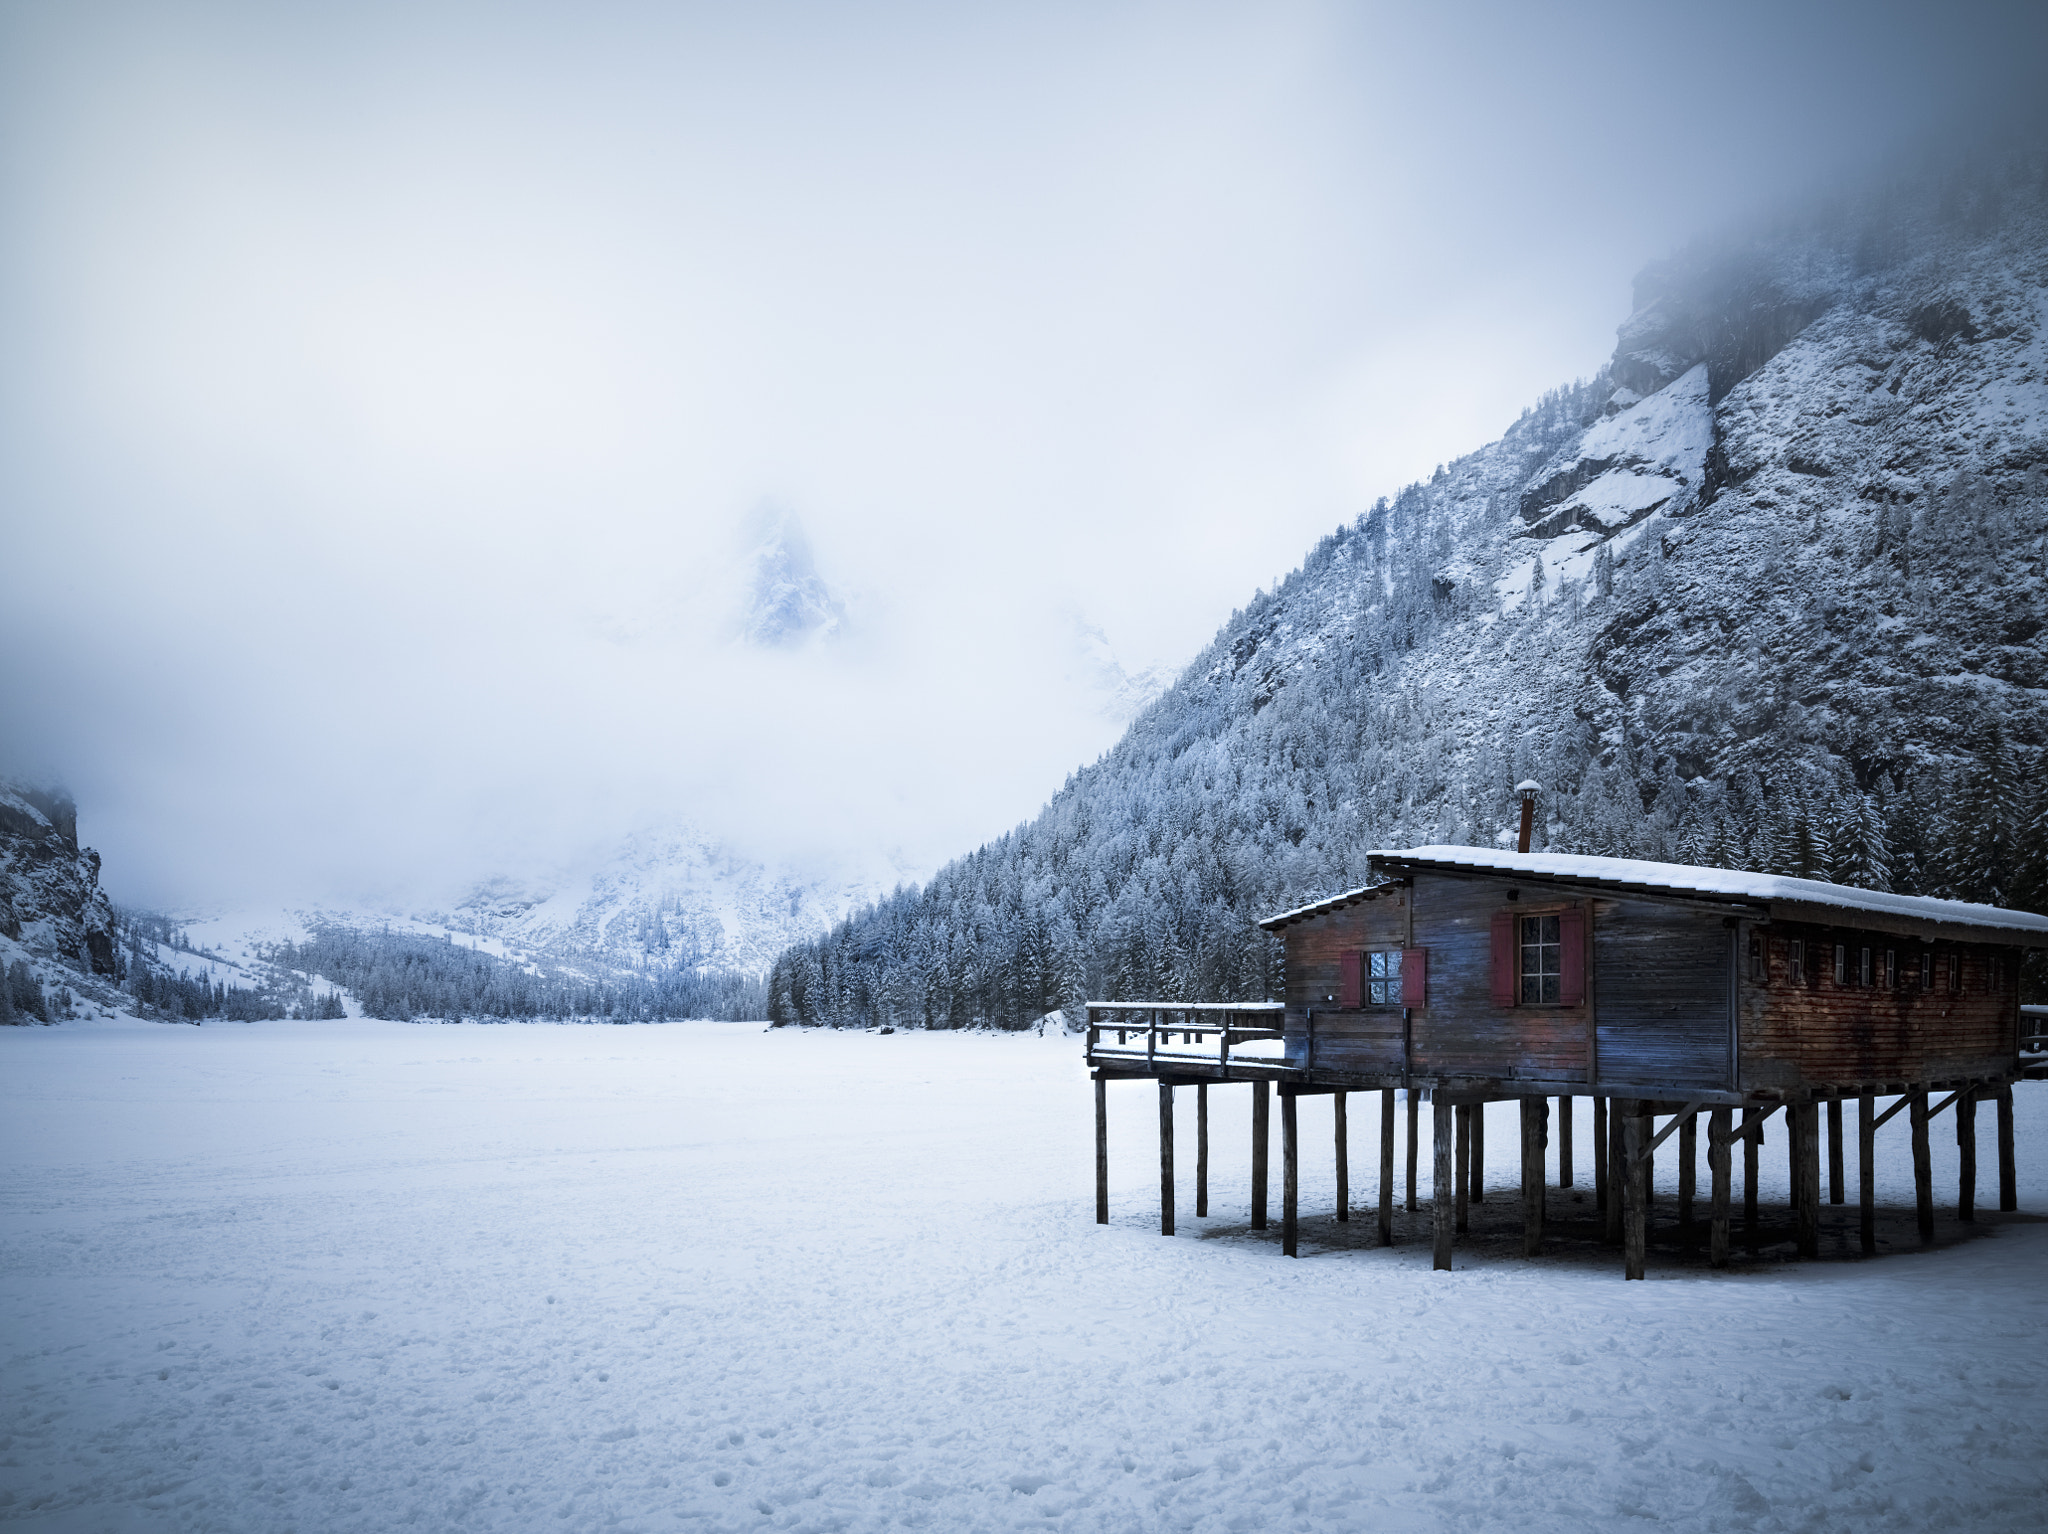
x=1467 y=975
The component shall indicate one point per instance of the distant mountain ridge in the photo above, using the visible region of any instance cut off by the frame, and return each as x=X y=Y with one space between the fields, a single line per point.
x=1770 y=591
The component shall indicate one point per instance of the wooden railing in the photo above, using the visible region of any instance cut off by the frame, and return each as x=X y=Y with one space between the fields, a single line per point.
x=1202 y=1036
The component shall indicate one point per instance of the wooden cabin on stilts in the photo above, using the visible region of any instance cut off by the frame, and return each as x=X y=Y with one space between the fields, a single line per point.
x=1660 y=992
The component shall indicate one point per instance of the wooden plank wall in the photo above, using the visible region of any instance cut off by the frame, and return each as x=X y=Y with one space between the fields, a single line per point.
x=1816 y=1033
x=1662 y=976
x=1461 y=1031
x=1361 y=1039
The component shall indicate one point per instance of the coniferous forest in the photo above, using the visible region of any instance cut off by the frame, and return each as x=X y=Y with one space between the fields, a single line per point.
x=1821 y=654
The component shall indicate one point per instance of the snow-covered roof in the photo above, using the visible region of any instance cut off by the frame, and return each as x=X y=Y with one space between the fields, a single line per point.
x=1328 y=903
x=1682 y=879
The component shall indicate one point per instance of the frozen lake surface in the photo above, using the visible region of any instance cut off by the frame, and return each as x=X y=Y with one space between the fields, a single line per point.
x=365 y=1276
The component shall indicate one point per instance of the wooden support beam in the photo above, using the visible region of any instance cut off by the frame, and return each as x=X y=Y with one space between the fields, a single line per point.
x=1343 y=1131
x=1635 y=1176
x=1165 y=1159
x=1806 y=1137
x=1290 y=1173
x=1601 y=1160
x=1461 y=1176
x=1753 y=1121
x=1835 y=1150
x=1966 y=1157
x=1752 y=1136
x=1201 y=1150
x=1261 y=1140
x=1414 y=1135
x=1866 y=1172
x=1564 y=1142
x=1688 y=1168
x=1387 y=1167
x=1616 y=1157
x=1535 y=1110
x=1923 y=1166
x=1444 y=1184
x=1720 y=1155
x=2008 y=1169
x=1479 y=1154
x=1101 y=1151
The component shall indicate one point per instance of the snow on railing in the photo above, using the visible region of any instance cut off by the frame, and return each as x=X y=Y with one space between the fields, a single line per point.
x=1204 y=1035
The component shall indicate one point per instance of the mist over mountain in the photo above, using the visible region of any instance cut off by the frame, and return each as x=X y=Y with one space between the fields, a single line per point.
x=1768 y=591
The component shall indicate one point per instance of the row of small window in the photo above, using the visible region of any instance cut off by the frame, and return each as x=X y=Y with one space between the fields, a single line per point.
x=1863 y=965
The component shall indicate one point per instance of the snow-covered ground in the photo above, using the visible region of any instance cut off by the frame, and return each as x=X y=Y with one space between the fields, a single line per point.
x=366 y=1276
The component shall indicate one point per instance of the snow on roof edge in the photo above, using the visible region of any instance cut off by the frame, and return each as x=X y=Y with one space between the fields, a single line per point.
x=1688 y=879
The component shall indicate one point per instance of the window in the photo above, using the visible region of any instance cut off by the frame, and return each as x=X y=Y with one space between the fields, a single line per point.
x=1841 y=965
x=1955 y=972
x=1926 y=970
x=1383 y=978
x=1758 y=970
x=1542 y=960
x=1891 y=968
x=1796 y=962
x=1863 y=968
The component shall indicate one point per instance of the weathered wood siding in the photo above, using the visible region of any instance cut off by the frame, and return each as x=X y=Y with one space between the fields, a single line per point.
x=1814 y=1032
x=1462 y=1032
x=1662 y=978
x=1365 y=1038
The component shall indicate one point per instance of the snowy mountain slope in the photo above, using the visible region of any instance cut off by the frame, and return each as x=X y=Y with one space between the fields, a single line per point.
x=1768 y=592
x=669 y=897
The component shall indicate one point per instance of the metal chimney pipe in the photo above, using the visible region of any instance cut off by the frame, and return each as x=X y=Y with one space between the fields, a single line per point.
x=1528 y=788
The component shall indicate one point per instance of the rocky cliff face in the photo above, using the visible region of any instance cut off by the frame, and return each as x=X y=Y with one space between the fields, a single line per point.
x=50 y=897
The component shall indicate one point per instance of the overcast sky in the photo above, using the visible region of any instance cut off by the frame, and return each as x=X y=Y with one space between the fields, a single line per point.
x=384 y=390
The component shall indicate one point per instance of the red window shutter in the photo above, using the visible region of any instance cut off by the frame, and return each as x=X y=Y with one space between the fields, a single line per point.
x=1350 y=979
x=1415 y=977
x=1571 y=960
x=1503 y=958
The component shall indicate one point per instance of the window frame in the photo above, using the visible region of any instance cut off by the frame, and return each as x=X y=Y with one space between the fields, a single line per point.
x=1551 y=944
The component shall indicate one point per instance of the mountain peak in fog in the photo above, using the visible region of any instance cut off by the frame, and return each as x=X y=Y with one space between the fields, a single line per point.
x=788 y=602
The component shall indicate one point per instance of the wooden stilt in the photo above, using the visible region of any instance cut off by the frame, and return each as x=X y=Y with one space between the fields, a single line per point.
x=1290 y=1173
x=1534 y=1111
x=1634 y=1227
x=1617 y=1167
x=1564 y=1142
x=2008 y=1169
x=1835 y=1151
x=1165 y=1159
x=1751 y=1147
x=1414 y=1135
x=1649 y=1112
x=1966 y=1155
x=1600 y=1158
x=1261 y=1138
x=1101 y=1151
x=1806 y=1137
x=1923 y=1167
x=1201 y=1150
x=1343 y=1129
x=1387 y=1167
x=1479 y=1153
x=1444 y=1184
x=1462 y=1173
x=1688 y=1170
x=1866 y=1172
x=1720 y=1155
